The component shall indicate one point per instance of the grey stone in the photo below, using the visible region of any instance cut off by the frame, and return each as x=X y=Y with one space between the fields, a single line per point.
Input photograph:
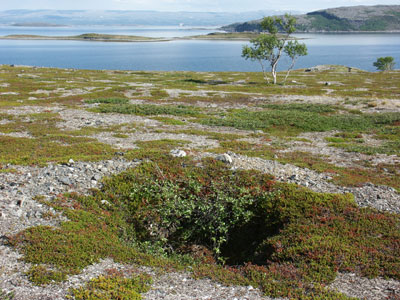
x=65 y=180
x=96 y=177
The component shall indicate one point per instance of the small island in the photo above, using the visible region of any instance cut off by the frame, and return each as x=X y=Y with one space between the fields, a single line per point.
x=86 y=37
x=37 y=24
x=98 y=37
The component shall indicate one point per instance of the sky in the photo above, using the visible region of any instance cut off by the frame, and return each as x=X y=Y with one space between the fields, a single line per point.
x=187 y=5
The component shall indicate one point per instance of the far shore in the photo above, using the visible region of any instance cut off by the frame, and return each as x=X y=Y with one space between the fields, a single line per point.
x=98 y=37
x=95 y=37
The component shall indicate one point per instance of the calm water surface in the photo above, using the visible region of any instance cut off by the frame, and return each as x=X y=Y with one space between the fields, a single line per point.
x=150 y=31
x=356 y=50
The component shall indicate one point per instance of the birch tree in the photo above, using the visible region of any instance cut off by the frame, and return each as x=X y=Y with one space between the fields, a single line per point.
x=269 y=47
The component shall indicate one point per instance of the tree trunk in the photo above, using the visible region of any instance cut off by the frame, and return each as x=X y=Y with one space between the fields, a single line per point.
x=274 y=64
x=288 y=71
x=273 y=71
x=263 y=71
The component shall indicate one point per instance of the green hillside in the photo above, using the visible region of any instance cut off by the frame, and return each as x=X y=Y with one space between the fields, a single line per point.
x=354 y=18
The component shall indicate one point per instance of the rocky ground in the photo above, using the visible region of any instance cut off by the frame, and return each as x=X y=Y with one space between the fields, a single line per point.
x=21 y=188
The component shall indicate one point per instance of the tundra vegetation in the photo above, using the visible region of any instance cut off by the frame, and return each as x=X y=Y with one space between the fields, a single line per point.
x=195 y=213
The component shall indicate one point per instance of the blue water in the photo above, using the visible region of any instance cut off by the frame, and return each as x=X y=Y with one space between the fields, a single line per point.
x=356 y=50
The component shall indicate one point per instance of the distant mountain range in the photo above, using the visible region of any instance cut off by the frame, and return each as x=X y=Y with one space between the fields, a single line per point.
x=119 y=17
x=341 y=19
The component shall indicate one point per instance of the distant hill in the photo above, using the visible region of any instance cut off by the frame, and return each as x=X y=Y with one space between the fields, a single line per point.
x=353 y=18
x=120 y=17
x=37 y=24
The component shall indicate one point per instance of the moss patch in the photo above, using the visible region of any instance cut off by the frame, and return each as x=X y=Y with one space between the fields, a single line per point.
x=149 y=109
x=40 y=275
x=25 y=151
x=113 y=287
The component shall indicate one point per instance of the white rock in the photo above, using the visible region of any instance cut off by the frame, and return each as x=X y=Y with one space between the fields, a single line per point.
x=226 y=158
x=105 y=202
x=178 y=153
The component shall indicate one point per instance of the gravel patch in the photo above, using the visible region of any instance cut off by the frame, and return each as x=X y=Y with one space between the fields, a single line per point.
x=74 y=119
x=9 y=93
x=364 y=288
x=25 y=110
x=19 y=210
x=319 y=146
x=181 y=286
x=13 y=279
x=17 y=134
x=194 y=141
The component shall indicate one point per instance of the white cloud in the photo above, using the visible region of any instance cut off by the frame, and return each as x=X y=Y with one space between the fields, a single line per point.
x=188 y=5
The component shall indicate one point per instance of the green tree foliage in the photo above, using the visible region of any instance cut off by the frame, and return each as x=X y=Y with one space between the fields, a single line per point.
x=269 y=47
x=384 y=63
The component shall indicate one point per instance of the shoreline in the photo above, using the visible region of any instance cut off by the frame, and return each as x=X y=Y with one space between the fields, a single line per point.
x=94 y=37
x=228 y=36
x=127 y=38
x=85 y=37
